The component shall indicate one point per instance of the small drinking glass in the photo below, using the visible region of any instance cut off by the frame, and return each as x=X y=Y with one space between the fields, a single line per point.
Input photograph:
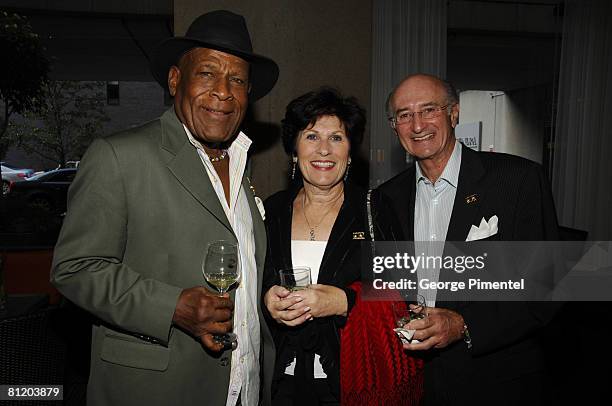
x=296 y=278
x=404 y=314
x=419 y=310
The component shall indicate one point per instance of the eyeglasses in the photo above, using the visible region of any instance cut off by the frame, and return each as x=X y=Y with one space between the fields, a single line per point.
x=427 y=113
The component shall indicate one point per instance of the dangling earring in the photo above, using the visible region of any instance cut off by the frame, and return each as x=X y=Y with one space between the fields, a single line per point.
x=293 y=167
x=348 y=166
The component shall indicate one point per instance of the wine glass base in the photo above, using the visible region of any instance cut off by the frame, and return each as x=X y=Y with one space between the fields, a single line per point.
x=229 y=340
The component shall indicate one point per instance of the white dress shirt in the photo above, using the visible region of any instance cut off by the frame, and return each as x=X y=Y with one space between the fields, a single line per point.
x=432 y=213
x=244 y=375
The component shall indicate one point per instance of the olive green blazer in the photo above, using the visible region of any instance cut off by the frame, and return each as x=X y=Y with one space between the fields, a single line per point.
x=141 y=212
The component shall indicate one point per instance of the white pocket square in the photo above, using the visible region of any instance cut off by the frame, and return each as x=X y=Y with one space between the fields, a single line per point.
x=260 y=206
x=485 y=230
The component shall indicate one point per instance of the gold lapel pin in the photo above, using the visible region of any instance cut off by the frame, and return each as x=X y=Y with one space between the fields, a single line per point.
x=251 y=186
x=471 y=199
x=359 y=235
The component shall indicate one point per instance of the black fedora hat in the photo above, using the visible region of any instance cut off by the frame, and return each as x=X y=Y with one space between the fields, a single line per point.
x=223 y=31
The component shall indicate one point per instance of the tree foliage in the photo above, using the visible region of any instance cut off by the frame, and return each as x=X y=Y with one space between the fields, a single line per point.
x=61 y=128
x=23 y=71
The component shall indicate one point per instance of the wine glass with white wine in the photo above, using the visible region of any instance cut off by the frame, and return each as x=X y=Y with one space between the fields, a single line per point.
x=221 y=269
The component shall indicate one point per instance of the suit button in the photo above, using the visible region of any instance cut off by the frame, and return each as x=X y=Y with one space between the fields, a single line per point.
x=224 y=361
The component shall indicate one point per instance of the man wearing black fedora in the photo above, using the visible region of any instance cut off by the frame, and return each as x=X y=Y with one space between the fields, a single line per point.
x=142 y=210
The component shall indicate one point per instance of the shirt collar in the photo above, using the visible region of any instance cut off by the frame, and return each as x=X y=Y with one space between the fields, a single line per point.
x=450 y=174
x=241 y=144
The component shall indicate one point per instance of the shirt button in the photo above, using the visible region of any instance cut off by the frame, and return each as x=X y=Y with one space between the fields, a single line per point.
x=244 y=324
x=435 y=201
x=434 y=236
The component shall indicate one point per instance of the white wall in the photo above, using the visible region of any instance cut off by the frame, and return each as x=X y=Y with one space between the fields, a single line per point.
x=475 y=106
x=519 y=132
x=508 y=124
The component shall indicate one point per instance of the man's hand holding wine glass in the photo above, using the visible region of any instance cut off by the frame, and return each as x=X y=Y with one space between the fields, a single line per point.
x=203 y=313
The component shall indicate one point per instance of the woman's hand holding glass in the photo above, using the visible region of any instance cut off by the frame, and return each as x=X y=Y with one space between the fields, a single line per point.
x=324 y=300
x=295 y=308
x=285 y=307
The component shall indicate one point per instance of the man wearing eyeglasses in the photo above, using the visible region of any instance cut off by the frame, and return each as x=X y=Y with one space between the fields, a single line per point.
x=449 y=189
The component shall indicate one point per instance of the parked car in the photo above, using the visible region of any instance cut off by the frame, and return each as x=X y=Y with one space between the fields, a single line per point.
x=12 y=174
x=47 y=191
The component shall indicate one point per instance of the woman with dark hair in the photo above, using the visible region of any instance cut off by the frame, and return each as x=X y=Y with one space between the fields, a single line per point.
x=320 y=222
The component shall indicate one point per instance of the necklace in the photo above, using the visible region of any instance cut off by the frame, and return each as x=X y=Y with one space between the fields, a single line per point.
x=311 y=228
x=220 y=157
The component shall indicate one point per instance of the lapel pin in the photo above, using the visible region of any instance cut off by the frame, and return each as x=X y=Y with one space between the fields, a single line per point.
x=471 y=199
x=359 y=235
x=251 y=186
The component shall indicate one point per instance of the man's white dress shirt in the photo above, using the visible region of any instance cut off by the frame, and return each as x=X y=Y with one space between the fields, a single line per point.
x=244 y=376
